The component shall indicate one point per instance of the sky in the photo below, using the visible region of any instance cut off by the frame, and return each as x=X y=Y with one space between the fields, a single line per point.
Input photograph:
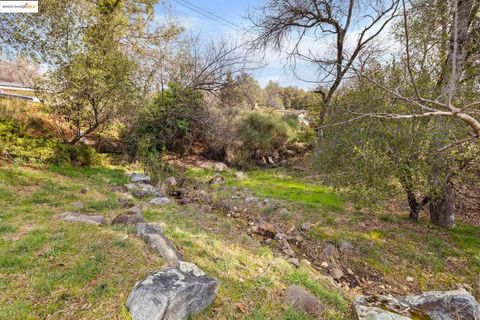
x=235 y=12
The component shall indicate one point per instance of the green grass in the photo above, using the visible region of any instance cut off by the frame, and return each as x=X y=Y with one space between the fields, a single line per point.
x=51 y=267
x=467 y=237
x=282 y=186
x=273 y=184
x=78 y=271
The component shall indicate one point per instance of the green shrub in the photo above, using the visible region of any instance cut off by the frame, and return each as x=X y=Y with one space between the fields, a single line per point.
x=172 y=121
x=19 y=144
x=152 y=159
x=259 y=135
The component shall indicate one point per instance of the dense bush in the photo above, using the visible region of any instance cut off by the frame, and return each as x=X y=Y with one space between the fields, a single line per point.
x=19 y=143
x=260 y=135
x=173 y=121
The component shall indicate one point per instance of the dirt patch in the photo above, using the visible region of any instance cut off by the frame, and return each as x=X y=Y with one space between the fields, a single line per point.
x=24 y=230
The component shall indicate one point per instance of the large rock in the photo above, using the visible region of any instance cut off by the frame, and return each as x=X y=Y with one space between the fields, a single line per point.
x=446 y=305
x=71 y=216
x=153 y=236
x=128 y=218
x=434 y=305
x=172 y=294
x=139 y=177
x=303 y=301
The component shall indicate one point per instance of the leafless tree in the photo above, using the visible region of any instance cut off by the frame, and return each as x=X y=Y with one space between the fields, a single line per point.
x=312 y=24
x=205 y=67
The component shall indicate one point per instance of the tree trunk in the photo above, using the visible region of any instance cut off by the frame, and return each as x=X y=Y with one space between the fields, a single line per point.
x=415 y=207
x=442 y=207
x=442 y=203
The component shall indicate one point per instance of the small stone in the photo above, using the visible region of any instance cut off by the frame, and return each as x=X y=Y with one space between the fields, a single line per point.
x=130 y=187
x=267 y=241
x=188 y=267
x=167 y=186
x=324 y=265
x=280 y=236
x=159 y=201
x=240 y=175
x=152 y=235
x=266 y=230
x=306 y=227
x=346 y=246
x=306 y=262
x=330 y=251
x=409 y=279
x=289 y=252
x=70 y=216
x=303 y=301
x=125 y=199
x=134 y=210
x=128 y=219
x=336 y=273
x=349 y=271
x=220 y=167
x=139 y=177
x=218 y=179
x=294 y=261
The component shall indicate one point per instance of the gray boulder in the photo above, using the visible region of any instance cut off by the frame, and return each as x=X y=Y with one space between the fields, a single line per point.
x=139 y=177
x=159 y=201
x=446 y=305
x=172 y=294
x=303 y=301
x=434 y=305
x=71 y=216
x=128 y=218
x=152 y=235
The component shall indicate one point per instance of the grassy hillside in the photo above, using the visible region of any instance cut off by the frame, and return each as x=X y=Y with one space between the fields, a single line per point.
x=62 y=270
x=58 y=270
